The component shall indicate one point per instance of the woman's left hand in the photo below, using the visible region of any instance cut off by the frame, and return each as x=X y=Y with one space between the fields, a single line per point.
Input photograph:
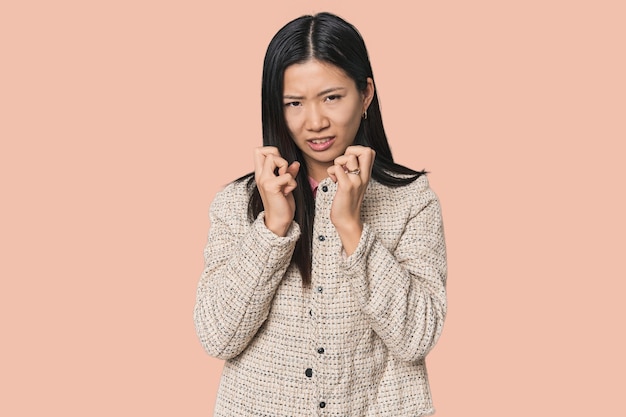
x=351 y=172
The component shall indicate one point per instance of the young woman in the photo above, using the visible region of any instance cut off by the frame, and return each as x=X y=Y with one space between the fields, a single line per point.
x=325 y=269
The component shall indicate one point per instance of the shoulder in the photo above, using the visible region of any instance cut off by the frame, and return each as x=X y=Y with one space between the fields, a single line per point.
x=413 y=196
x=234 y=197
x=239 y=188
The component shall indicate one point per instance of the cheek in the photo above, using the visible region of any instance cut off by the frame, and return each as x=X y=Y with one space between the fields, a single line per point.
x=350 y=120
x=350 y=115
x=292 y=123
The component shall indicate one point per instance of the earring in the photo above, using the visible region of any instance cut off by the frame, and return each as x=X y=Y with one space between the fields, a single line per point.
x=365 y=114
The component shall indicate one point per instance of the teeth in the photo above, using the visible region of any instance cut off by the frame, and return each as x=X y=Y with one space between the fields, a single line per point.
x=319 y=141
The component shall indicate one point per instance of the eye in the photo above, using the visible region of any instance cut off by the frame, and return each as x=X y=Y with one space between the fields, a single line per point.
x=293 y=104
x=333 y=97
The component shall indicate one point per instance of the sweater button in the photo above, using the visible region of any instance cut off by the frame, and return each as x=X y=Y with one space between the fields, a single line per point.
x=309 y=372
x=324 y=188
x=320 y=289
x=320 y=350
x=321 y=238
x=322 y=404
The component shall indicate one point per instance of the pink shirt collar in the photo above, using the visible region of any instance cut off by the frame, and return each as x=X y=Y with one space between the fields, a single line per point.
x=314 y=184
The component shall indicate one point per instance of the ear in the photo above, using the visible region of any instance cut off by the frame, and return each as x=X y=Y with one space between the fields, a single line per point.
x=368 y=94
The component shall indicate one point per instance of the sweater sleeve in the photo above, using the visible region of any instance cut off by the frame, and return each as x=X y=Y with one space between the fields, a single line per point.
x=244 y=265
x=403 y=293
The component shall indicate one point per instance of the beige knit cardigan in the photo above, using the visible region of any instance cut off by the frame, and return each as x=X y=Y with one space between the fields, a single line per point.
x=354 y=343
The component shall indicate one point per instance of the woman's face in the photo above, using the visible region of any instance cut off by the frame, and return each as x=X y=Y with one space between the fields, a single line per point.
x=323 y=110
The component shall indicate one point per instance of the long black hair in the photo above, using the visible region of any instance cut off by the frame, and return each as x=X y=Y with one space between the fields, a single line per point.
x=325 y=38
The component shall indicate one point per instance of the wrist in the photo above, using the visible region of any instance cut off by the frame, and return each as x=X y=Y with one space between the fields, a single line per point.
x=350 y=235
x=278 y=228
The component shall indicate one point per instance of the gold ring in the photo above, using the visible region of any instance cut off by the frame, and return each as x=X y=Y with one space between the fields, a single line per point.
x=354 y=171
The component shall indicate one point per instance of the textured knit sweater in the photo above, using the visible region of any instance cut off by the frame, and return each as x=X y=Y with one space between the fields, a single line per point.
x=353 y=343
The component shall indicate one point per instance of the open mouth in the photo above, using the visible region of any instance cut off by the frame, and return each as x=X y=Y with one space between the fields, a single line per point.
x=321 y=144
x=320 y=141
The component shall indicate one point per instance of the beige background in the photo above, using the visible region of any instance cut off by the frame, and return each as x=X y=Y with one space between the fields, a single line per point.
x=120 y=120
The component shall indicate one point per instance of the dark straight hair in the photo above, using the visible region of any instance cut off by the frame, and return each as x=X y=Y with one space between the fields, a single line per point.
x=330 y=39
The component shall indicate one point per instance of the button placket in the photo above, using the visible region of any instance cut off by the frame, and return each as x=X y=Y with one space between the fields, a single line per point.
x=323 y=236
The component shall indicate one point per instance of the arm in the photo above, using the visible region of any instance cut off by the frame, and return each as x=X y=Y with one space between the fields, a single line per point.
x=403 y=293
x=243 y=267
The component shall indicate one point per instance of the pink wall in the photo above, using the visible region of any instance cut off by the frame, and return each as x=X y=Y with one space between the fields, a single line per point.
x=120 y=121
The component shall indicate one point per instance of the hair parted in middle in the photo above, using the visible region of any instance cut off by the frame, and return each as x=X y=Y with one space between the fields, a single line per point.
x=326 y=38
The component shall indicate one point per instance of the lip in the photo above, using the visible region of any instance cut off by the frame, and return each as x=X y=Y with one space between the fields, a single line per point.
x=319 y=147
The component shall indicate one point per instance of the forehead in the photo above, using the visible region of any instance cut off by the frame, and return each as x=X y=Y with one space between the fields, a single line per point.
x=313 y=74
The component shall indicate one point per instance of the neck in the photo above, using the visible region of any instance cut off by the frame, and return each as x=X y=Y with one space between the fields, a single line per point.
x=318 y=173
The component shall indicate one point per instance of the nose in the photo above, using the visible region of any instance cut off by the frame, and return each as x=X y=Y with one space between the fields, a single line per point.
x=316 y=120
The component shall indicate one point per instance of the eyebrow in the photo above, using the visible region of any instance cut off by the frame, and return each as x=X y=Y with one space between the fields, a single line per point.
x=321 y=93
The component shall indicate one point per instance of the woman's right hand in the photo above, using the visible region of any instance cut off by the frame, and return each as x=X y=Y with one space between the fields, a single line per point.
x=276 y=190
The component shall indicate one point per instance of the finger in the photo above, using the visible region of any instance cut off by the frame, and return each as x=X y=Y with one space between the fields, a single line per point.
x=351 y=164
x=331 y=172
x=260 y=154
x=294 y=168
x=291 y=185
x=285 y=183
x=268 y=150
x=356 y=150
x=342 y=176
x=293 y=171
x=348 y=165
x=259 y=159
x=281 y=164
x=360 y=151
x=365 y=157
x=272 y=162
x=341 y=160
